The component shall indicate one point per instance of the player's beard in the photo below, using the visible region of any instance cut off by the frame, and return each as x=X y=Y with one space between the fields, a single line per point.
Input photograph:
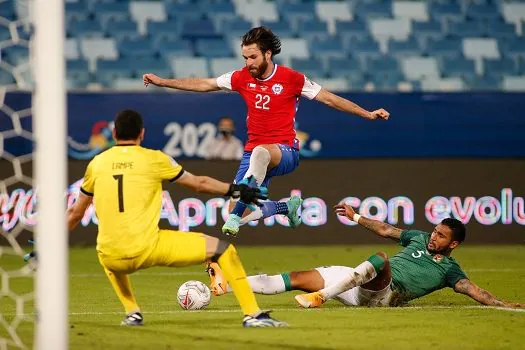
x=259 y=71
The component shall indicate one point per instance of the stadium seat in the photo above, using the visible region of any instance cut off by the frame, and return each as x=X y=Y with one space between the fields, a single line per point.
x=500 y=68
x=109 y=70
x=501 y=30
x=331 y=11
x=122 y=30
x=295 y=11
x=351 y=29
x=190 y=67
x=443 y=12
x=514 y=48
x=170 y=48
x=7 y=11
x=386 y=80
x=5 y=34
x=282 y=28
x=363 y=48
x=115 y=11
x=312 y=28
x=293 y=48
x=221 y=65
x=442 y=85
x=187 y=10
x=170 y=29
x=384 y=29
x=198 y=28
x=382 y=64
x=514 y=12
x=404 y=48
x=84 y=29
x=71 y=49
x=483 y=11
x=349 y=68
x=457 y=67
x=412 y=10
x=514 y=83
x=257 y=11
x=334 y=84
x=236 y=27
x=144 y=65
x=446 y=47
x=143 y=12
x=218 y=11
x=212 y=48
x=324 y=49
x=311 y=67
x=367 y=11
x=95 y=48
x=76 y=11
x=416 y=68
x=426 y=31
x=483 y=83
x=77 y=74
x=464 y=29
x=136 y=47
x=479 y=48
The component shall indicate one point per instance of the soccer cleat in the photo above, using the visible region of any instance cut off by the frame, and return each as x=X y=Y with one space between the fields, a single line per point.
x=218 y=284
x=310 y=300
x=262 y=320
x=133 y=319
x=293 y=204
x=231 y=226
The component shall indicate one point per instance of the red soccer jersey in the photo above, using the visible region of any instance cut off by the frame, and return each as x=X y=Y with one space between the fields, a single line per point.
x=271 y=102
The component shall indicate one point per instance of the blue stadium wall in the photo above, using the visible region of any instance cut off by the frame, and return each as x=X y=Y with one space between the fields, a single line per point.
x=441 y=155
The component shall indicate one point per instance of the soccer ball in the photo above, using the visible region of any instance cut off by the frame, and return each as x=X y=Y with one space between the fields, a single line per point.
x=193 y=295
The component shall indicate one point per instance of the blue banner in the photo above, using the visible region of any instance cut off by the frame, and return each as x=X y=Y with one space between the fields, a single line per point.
x=181 y=124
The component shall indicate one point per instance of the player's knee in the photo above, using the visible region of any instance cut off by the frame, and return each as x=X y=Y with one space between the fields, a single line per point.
x=261 y=154
x=378 y=261
x=221 y=248
x=383 y=255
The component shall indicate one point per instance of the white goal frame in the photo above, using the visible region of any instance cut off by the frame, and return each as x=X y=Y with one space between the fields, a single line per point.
x=49 y=125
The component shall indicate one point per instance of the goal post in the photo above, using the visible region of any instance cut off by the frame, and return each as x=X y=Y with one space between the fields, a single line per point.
x=49 y=125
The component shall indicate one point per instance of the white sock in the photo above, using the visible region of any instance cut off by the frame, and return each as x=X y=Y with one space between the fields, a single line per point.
x=362 y=274
x=264 y=284
x=259 y=161
x=254 y=215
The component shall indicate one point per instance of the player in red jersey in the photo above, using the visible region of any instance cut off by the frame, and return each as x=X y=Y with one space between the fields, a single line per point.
x=271 y=93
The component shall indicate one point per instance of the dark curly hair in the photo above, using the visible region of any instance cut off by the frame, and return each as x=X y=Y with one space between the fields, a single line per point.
x=264 y=38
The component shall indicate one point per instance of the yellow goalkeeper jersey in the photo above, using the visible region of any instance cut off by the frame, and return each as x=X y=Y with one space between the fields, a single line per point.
x=126 y=182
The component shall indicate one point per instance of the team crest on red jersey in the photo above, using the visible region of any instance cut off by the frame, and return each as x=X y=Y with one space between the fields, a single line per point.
x=277 y=89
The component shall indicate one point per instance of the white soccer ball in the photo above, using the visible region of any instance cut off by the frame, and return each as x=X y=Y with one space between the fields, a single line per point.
x=193 y=295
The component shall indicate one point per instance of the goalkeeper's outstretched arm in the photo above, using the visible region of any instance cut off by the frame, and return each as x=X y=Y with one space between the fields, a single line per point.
x=77 y=210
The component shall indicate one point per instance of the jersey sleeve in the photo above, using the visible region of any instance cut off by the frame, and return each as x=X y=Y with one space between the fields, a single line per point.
x=228 y=81
x=88 y=184
x=454 y=274
x=407 y=235
x=168 y=168
x=310 y=88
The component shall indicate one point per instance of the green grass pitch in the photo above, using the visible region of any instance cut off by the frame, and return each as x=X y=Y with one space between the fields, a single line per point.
x=443 y=319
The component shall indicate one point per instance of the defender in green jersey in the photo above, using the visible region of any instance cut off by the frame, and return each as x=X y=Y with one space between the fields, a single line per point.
x=423 y=266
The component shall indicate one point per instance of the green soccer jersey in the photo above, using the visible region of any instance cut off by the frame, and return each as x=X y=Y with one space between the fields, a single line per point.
x=417 y=272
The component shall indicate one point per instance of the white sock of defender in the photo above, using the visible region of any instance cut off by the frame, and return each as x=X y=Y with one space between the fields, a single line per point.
x=264 y=284
x=259 y=161
x=363 y=273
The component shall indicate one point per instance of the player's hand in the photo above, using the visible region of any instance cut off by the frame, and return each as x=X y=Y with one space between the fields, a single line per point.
x=151 y=78
x=247 y=194
x=379 y=114
x=343 y=209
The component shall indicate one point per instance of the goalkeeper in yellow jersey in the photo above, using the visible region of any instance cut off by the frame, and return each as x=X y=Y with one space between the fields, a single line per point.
x=125 y=184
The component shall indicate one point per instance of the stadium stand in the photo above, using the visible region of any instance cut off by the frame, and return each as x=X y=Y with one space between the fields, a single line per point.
x=383 y=44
